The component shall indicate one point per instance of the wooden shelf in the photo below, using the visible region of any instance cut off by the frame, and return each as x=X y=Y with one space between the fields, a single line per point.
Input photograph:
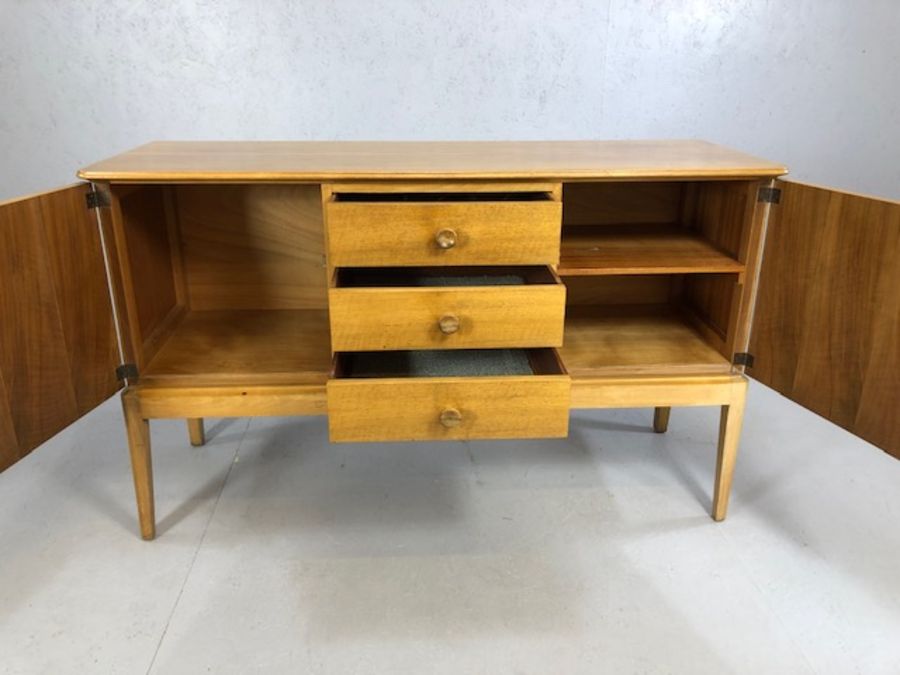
x=640 y=249
x=245 y=347
x=606 y=340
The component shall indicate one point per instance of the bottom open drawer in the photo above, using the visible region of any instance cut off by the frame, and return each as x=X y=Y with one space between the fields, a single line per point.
x=448 y=395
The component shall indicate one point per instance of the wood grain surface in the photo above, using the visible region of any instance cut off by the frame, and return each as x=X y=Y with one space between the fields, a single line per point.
x=638 y=289
x=724 y=213
x=245 y=400
x=635 y=340
x=143 y=270
x=617 y=203
x=605 y=250
x=57 y=341
x=148 y=246
x=489 y=316
x=252 y=246
x=9 y=444
x=485 y=233
x=314 y=161
x=826 y=332
x=412 y=408
x=647 y=391
x=244 y=346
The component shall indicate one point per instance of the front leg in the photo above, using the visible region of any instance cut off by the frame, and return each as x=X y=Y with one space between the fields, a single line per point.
x=138 y=430
x=731 y=420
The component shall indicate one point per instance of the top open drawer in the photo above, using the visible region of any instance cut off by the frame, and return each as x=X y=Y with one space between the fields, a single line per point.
x=426 y=225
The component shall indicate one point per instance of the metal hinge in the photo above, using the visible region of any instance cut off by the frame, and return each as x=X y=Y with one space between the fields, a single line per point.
x=127 y=371
x=96 y=199
x=743 y=359
x=769 y=195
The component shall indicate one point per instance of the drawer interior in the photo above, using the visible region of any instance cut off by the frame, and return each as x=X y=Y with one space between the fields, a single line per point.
x=448 y=363
x=424 y=197
x=425 y=277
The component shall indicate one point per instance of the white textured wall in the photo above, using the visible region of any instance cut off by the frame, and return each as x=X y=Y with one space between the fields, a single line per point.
x=812 y=83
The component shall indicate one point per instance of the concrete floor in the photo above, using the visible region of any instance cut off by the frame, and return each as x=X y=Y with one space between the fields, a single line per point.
x=278 y=552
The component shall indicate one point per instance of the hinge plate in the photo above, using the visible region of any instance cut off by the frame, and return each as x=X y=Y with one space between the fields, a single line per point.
x=96 y=199
x=769 y=195
x=742 y=359
x=126 y=371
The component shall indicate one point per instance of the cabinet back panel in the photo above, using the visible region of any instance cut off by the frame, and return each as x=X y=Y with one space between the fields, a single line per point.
x=620 y=203
x=252 y=246
x=654 y=289
x=149 y=256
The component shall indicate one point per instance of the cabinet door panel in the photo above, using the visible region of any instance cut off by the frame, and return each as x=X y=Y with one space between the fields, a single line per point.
x=825 y=330
x=9 y=446
x=57 y=341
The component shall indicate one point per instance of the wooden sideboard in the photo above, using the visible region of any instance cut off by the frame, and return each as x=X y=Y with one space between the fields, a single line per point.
x=429 y=291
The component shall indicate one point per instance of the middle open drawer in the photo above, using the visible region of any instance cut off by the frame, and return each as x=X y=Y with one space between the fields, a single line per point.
x=446 y=308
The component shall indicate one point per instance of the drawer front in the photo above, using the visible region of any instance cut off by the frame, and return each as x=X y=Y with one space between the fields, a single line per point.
x=455 y=408
x=371 y=319
x=467 y=233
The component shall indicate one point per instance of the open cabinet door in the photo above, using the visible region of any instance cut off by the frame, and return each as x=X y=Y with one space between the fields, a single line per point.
x=58 y=349
x=826 y=328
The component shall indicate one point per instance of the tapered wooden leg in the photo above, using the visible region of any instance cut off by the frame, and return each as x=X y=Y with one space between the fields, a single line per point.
x=141 y=463
x=732 y=417
x=195 y=431
x=661 y=420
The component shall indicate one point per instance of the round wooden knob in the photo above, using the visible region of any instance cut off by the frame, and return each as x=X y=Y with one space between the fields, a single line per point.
x=448 y=324
x=445 y=239
x=451 y=417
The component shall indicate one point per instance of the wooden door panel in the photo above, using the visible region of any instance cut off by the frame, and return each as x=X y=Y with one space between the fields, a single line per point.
x=9 y=446
x=825 y=330
x=57 y=342
x=73 y=246
x=878 y=418
x=33 y=356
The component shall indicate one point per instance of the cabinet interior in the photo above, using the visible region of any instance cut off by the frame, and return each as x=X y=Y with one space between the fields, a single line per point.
x=654 y=275
x=228 y=282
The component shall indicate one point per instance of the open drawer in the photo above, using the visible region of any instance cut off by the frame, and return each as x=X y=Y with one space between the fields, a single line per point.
x=448 y=395
x=421 y=227
x=446 y=308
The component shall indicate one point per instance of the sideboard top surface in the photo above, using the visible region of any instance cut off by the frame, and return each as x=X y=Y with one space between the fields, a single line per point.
x=316 y=161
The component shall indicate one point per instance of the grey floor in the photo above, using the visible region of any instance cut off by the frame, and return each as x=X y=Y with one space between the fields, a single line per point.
x=278 y=552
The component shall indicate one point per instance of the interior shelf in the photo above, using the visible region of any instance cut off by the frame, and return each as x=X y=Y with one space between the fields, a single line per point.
x=610 y=340
x=245 y=346
x=640 y=249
